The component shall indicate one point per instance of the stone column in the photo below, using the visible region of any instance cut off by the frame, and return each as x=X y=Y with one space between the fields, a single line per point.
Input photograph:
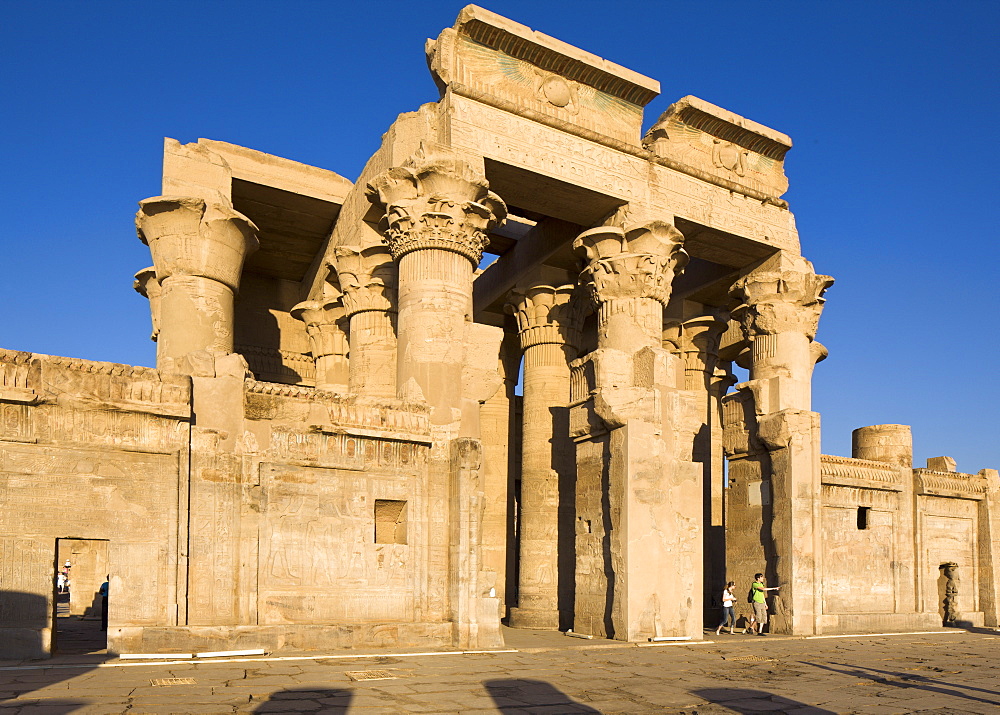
x=780 y=306
x=893 y=445
x=368 y=279
x=650 y=522
x=325 y=324
x=438 y=211
x=495 y=417
x=198 y=251
x=549 y=321
x=989 y=548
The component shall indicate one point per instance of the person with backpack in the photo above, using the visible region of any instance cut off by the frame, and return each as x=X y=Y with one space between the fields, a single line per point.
x=758 y=595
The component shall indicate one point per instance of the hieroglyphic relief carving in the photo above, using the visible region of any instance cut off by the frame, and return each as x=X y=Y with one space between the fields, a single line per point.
x=25 y=582
x=17 y=423
x=135 y=430
x=344 y=450
x=317 y=547
x=139 y=488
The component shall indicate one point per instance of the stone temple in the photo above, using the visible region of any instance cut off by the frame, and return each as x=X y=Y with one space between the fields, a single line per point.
x=331 y=451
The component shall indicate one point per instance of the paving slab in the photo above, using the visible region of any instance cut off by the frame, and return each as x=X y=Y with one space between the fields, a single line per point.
x=894 y=674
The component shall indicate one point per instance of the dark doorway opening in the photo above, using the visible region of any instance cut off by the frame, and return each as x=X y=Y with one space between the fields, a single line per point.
x=81 y=567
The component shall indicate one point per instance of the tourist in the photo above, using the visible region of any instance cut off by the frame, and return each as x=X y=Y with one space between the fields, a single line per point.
x=760 y=603
x=728 y=612
x=61 y=582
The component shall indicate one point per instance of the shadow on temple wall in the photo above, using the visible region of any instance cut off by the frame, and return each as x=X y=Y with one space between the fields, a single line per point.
x=912 y=680
x=609 y=569
x=742 y=700
x=330 y=700
x=714 y=575
x=23 y=617
x=564 y=464
x=513 y=696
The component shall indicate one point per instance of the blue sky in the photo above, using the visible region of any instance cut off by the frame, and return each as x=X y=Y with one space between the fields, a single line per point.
x=892 y=107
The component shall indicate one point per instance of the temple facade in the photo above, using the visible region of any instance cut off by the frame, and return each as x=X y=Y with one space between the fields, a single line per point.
x=333 y=451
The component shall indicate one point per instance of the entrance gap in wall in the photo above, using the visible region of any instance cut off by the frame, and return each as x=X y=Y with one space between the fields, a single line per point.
x=81 y=566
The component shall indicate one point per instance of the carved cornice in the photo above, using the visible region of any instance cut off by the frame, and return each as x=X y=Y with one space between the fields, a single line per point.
x=850 y=472
x=19 y=376
x=28 y=378
x=638 y=263
x=548 y=314
x=188 y=236
x=347 y=415
x=436 y=201
x=788 y=298
x=951 y=484
x=367 y=278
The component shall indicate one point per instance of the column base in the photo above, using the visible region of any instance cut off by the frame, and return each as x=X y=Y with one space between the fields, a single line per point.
x=537 y=619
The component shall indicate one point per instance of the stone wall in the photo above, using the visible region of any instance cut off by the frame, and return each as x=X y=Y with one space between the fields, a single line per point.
x=93 y=451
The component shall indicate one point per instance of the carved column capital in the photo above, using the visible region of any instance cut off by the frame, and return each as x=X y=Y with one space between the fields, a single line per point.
x=188 y=236
x=324 y=326
x=146 y=285
x=435 y=200
x=786 y=297
x=548 y=315
x=367 y=278
x=198 y=250
x=640 y=262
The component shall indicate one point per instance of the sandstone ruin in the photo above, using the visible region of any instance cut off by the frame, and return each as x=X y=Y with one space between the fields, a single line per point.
x=331 y=451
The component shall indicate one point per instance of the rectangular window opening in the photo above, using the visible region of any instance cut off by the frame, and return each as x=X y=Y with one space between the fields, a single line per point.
x=863 y=516
x=390 y=521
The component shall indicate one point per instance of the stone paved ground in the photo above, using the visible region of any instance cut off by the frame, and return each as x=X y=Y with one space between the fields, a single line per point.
x=953 y=672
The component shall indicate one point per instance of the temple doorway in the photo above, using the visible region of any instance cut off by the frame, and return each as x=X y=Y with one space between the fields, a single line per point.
x=81 y=567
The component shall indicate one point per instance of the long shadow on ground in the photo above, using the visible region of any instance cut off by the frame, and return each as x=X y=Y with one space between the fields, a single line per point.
x=742 y=700
x=911 y=680
x=329 y=700
x=514 y=695
x=79 y=645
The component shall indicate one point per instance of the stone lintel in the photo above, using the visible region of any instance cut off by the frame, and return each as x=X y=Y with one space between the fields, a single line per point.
x=495 y=60
x=513 y=38
x=285 y=174
x=722 y=144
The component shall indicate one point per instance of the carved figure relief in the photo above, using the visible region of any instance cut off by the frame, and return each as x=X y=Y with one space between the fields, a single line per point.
x=950 y=572
x=727 y=155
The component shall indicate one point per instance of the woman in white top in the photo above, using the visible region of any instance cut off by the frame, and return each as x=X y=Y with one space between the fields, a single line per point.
x=728 y=608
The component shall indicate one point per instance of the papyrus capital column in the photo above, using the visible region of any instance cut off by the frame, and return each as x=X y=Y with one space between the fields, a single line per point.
x=700 y=350
x=438 y=212
x=629 y=275
x=779 y=311
x=368 y=280
x=325 y=325
x=549 y=320
x=198 y=251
